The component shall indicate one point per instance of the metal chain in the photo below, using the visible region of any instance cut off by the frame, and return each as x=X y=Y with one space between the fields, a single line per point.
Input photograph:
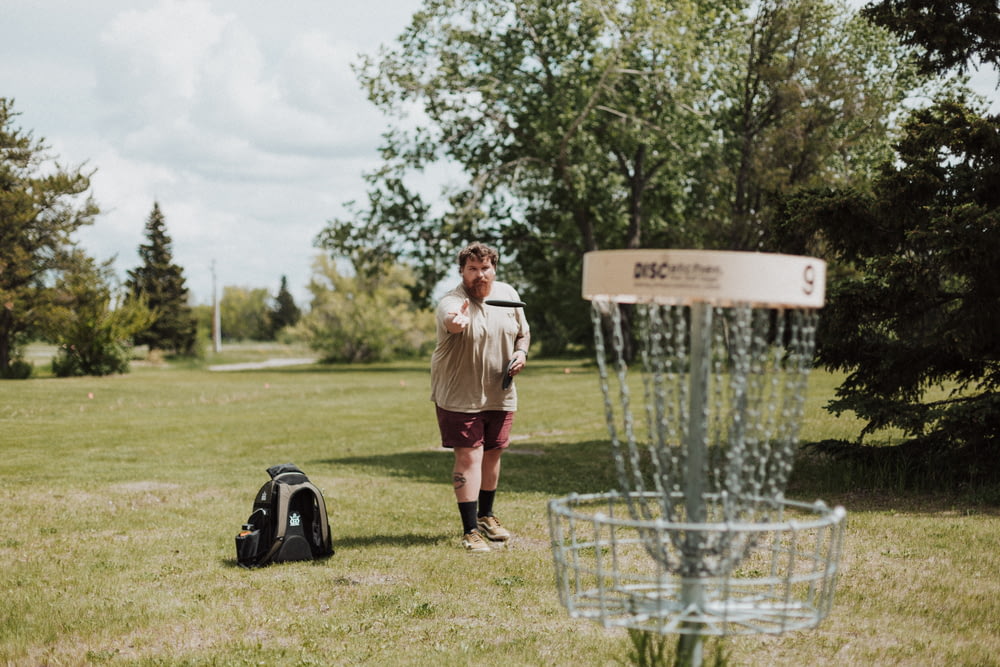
x=756 y=367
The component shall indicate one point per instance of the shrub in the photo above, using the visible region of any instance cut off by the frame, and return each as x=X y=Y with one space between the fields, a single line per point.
x=103 y=359
x=19 y=369
x=358 y=319
x=95 y=325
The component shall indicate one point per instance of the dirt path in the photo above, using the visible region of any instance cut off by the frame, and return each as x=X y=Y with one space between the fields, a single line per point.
x=257 y=365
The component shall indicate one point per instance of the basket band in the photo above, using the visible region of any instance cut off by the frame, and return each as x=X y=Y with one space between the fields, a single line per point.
x=717 y=277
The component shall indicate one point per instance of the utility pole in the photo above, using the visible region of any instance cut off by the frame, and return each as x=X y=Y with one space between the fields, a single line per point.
x=216 y=317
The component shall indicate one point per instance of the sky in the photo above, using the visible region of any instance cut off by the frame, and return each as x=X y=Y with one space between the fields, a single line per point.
x=241 y=118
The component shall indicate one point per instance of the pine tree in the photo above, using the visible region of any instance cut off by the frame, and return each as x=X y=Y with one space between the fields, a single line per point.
x=915 y=287
x=161 y=282
x=42 y=204
x=284 y=313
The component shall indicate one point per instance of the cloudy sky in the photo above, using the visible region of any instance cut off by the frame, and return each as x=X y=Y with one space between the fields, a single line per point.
x=242 y=118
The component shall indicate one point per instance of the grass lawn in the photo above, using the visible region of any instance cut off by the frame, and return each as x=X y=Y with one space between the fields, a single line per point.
x=122 y=495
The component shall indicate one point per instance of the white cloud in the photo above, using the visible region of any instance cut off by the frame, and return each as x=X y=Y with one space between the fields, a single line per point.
x=244 y=121
x=314 y=73
x=151 y=63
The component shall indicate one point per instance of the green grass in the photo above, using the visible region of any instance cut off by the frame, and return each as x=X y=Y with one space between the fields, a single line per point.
x=122 y=495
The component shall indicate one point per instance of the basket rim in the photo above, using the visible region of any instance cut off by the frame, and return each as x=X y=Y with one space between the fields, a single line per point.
x=827 y=515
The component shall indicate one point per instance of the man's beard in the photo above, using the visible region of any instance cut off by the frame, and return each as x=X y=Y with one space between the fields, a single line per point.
x=479 y=289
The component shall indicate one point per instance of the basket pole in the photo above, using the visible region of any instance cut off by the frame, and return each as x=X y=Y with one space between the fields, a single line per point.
x=690 y=645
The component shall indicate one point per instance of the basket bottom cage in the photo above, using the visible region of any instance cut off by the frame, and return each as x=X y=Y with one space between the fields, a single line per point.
x=764 y=577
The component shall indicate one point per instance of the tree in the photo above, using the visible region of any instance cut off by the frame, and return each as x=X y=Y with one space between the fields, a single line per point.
x=915 y=285
x=916 y=288
x=364 y=319
x=948 y=34
x=283 y=313
x=244 y=313
x=41 y=204
x=595 y=124
x=93 y=323
x=526 y=97
x=809 y=99
x=160 y=283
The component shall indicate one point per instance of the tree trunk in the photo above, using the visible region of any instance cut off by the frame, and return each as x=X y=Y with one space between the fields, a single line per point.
x=5 y=323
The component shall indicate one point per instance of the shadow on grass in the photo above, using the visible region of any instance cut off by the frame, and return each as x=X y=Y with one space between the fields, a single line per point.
x=403 y=540
x=889 y=478
x=551 y=468
x=349 y=542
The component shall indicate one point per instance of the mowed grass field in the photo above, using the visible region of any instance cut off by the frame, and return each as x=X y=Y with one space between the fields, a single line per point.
x=121 y=497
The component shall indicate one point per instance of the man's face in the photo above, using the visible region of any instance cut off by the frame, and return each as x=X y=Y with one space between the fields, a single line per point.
x=478 y=277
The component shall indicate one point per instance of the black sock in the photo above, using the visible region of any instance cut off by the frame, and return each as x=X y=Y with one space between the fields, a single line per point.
x=468 y=512
x=486 y=502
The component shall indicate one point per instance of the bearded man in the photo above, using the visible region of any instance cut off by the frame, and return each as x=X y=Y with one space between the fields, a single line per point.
x=478 y=346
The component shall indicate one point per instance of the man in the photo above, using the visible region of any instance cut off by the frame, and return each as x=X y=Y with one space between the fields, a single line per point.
x=477 y=346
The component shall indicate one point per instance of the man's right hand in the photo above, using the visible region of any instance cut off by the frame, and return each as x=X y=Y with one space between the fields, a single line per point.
x=456 y=322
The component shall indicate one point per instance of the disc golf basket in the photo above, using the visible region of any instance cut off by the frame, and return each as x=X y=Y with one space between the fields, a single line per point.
x=703 y=358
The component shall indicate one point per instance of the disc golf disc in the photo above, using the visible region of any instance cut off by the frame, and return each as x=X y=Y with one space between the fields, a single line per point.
x=503 y=303
x=507 y=377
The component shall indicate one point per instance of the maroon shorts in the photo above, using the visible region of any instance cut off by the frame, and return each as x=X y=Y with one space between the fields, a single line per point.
x=490 y=429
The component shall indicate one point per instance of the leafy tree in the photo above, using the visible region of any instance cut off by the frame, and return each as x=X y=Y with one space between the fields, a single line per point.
x=160 y=283
x=283 y=313
x=595 y=124
x=809 y=96
x=244 y=313
x=41 y=204
x=93 y=323
x=362 y=318
x=204 y=316
x=566 y=121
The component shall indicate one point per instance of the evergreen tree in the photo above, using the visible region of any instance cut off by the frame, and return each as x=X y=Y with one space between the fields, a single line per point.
x=915 y=289
x=915 y=285
x=948 y=34
x=41 y=205
x=284 y=312
x=161 y=283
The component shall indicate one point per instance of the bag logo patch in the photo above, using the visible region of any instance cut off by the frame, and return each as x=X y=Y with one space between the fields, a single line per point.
x=294 y=519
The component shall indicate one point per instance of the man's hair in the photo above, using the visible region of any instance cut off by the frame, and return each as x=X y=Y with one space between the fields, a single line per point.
x=480 y=251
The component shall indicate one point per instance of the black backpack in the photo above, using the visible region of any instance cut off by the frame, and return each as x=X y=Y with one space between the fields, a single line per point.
x=288 y=521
